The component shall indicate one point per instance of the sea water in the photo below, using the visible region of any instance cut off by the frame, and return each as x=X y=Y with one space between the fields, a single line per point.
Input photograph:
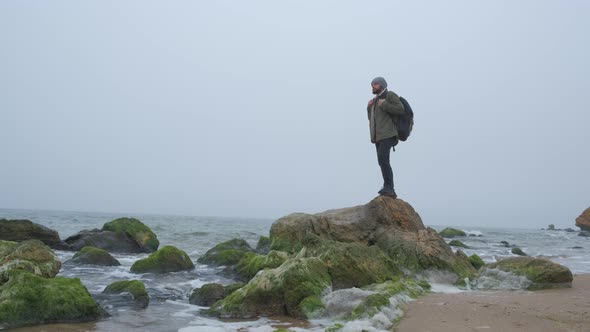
x=169 y=309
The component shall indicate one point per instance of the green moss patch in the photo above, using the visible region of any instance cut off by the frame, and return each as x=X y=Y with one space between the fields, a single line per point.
x=542 y=272
x=476 y=261
x=135 y=287
x=94 y=256
x=135 y=229
x=28 y=299
x=167 y=259
x=227 y=253
x=451 y=232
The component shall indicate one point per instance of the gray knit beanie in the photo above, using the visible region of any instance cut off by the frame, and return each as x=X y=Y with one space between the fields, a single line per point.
x=379 y=80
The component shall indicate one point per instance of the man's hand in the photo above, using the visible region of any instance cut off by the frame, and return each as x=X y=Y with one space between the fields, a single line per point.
x=380 y=102
x=371 y=101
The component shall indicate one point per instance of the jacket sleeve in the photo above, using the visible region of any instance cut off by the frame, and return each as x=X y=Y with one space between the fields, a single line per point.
x=392 y=104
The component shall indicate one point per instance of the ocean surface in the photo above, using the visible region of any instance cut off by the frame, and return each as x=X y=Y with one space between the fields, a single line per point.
x=169 y=309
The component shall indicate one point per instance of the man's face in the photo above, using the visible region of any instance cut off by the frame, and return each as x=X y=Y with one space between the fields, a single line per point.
x=376 y=88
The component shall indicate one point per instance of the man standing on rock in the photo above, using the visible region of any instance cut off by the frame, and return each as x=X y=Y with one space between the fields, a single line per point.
x=381 y=111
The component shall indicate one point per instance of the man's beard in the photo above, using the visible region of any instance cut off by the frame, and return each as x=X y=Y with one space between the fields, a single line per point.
x=377 y=91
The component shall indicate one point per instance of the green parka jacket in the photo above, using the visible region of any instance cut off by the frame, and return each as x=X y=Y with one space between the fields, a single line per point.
x=381 y=117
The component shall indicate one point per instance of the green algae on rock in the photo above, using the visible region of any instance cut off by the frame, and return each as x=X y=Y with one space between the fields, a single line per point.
x=167 y=259
x=27 y=299
x=251 y=263
x=226 y=253
x=142 y=234
x=208 y=294
x=94 y=256
x=31 y=256
x=450 y=232
x=518 y=251
x=278 y=291
x=543 y=273
x=350 y=264
x=22 y=230
x=457 y=243
x=476 y=261
x=134 y=287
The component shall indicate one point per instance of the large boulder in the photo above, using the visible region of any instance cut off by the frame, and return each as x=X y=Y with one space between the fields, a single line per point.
x=392 y=225
x=167 y=259
x=583 y=221
x=134 y=287
x=350 y=264
x=27 y=299
x=22 y=230
x=126 y=235
x=251 y=263
x=30 y=256
x=450 y=232
x=292 y=289
x=94 y=256
x=542 y=273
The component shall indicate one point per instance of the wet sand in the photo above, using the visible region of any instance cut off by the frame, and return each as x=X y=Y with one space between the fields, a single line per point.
x=546 y=310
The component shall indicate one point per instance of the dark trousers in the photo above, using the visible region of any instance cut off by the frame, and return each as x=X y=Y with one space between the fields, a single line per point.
x=384 y=146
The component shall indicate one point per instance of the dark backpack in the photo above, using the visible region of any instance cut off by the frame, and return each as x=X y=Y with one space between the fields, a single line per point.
x=404 y=123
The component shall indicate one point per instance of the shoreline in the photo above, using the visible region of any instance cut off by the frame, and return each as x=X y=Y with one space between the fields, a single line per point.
x=551 y=310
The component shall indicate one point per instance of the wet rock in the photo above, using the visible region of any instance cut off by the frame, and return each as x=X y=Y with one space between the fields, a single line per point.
x=505 y=244
x=94 y=256
x=583 y=221
x=251 y=263
x=584 y=233
x=476 y=261
x=457 y=243
x=22 y=230
x=30 y=256
x=227 y=253
x=28 y=299
x=127 y=235
x=134 y=287
x=541 y=272
x=263 y=246
x=167 y=259
x=208 y=294
x=286 y=290
x=451 y=233
x=551 y=227
x=569 y=230
x=518 y=251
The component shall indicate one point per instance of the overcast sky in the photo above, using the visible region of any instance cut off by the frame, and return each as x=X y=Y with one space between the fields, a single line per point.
x=258 y=108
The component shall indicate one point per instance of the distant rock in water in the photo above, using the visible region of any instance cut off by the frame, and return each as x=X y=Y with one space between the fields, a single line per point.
x=22 y=230
x=518 y=251
x=583 y=221
x=208 y=294
x=551 y=227
x=457 y=243
x=584 y=233
x=505 y=244
x=126 y=235
x=451 y=232
x=94 y=256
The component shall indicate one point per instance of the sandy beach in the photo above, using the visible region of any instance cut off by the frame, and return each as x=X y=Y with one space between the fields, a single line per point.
x=546 y=310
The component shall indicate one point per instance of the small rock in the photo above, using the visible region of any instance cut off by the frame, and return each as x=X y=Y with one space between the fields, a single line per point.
x=457 y=243
x=518 y=251
x=505 y=243
x=167 y=259
x=584 y=233
x=451 y=232
x=135 y=287
x=94 y=256
x=551 y=227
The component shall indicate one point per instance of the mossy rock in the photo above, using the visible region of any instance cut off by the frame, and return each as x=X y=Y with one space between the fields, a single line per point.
x=30 y=256
x=251 y=263
x=457 y=243
x=94 y=256
x=227 y=253
x=518 y=251
x=350 y=264
x=27 y=299
x=167 y=259
x=135 y=287
x=278 y=291
x=208 y=294
x=476 y=261
x=543 y=273
x=135 y=229
x=374 y=303
x=263 y=246
x=451 y=232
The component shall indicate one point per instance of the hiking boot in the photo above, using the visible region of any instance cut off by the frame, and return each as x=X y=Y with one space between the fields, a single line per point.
x=387 y=192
